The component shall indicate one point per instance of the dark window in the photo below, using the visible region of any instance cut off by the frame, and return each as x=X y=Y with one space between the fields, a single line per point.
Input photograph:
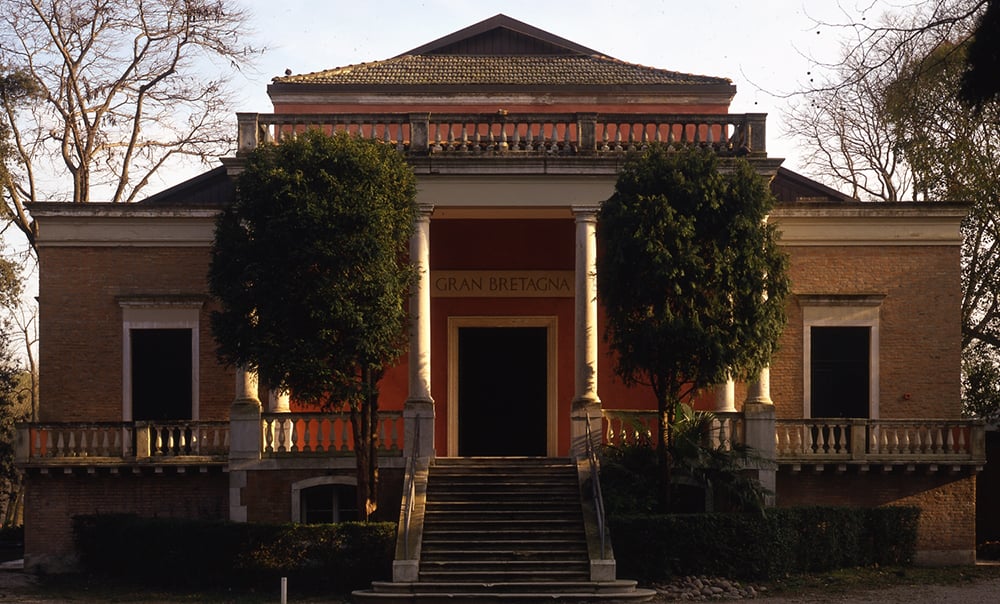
x=327 y=503
x=161 y=374
x=840 y=370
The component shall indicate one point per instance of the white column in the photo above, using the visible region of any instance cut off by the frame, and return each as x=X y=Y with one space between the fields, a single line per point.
x=725 y=397
x=585 y=320
x=278 y=401
x=419 y=406
x=586 y=403
x=759 y=391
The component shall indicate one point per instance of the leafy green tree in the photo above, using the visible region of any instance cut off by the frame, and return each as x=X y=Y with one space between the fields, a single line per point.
x=310 y=266
x=691 y=278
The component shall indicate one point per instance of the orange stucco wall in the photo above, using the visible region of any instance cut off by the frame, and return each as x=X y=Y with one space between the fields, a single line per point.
x=541 y=107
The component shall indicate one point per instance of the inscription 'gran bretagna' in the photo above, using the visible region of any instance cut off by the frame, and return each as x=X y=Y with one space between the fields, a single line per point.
x=502 y=284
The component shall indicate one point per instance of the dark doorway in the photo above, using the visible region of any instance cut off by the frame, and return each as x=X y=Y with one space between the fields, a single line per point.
x=840 y=369
x=161 y=374
x=502 y=391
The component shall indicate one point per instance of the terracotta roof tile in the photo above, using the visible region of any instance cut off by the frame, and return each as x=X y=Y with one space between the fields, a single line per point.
x=498 y=70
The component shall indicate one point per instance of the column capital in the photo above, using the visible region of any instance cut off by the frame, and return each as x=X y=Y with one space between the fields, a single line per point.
x=585 y=212
x=424 y=210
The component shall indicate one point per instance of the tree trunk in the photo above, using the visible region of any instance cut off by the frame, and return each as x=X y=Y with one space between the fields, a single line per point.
x=364 y=422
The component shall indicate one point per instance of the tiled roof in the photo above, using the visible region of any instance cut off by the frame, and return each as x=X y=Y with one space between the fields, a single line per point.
x=434 y=69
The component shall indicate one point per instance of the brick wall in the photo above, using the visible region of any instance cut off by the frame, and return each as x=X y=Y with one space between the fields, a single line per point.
x=51 y=501
x=268 y=494
x=947 y=529
x=80 y=324
x=920 y=324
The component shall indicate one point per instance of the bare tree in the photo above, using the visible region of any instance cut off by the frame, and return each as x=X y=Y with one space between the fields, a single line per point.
x=845 y=134
x=908 y=72
x=115 y=90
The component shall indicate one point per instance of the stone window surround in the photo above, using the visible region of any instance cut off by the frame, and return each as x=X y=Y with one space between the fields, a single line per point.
x=847 y=310
x=300 y=485
x=159 y=313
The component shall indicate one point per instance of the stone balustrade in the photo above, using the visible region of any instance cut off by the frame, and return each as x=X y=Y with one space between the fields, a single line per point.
x=122 y=440
x=283 y=434
x=879 y=440
x=325 y=433
x=638 y=427
x=523 y=134
x=817 y=441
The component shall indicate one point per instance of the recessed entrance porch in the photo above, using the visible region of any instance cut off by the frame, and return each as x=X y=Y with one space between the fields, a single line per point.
x=502 y=386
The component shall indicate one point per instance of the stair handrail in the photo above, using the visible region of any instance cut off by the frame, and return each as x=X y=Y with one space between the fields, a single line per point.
x=595 y=486
x=411 y=488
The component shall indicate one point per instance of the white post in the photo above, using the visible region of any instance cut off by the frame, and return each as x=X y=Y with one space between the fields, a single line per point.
x=759 y=427
x=244 y=439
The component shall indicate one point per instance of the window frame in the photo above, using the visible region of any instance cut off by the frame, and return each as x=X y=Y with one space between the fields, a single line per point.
x=316 y=481
x=154 y=313
x=841 y=311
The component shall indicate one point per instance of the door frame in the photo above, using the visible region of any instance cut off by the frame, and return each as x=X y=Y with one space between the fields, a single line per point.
x=551 y=325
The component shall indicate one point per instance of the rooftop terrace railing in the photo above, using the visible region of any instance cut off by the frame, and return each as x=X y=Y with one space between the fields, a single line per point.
x=519 y=134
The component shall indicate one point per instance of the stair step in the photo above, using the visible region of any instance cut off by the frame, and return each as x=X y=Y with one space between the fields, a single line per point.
x=504 y=553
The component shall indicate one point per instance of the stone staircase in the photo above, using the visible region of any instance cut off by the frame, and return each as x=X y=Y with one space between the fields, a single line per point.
x=504 y=529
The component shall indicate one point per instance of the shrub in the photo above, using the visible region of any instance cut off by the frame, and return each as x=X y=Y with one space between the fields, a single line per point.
x=175 y=552
x=755 y=547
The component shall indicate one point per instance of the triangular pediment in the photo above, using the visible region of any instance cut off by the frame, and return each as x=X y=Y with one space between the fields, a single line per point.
x=501 y=35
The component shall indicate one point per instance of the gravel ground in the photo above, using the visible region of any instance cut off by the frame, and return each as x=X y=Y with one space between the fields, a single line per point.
x=17 y=586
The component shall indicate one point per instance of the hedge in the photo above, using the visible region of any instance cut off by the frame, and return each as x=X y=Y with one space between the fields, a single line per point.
x=760 y=547
x=184 y=553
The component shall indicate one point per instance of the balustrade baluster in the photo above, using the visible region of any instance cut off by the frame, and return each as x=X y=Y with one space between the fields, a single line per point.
x=605 y=147
x=491 y=141
x=567 y=146
x=293 y=436
x=517 y=136
x=938 y=441
x=504 y=147
x=464 y=148
x=283 y=445
x=122 y=441
x=307 y=435
x=268 y=434
x=71 y=446
x=105 y=449
x=529 y=137
x=960 y=446
x=451 y=138
x=618 y=138
x=60 y=448
x=436 y=147
x=950 y=443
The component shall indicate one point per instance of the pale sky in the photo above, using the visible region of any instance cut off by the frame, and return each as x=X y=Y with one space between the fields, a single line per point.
x=764 y=46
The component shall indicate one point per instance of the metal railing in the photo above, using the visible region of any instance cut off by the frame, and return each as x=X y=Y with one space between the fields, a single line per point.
x=410 y=488
x=595 y=487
